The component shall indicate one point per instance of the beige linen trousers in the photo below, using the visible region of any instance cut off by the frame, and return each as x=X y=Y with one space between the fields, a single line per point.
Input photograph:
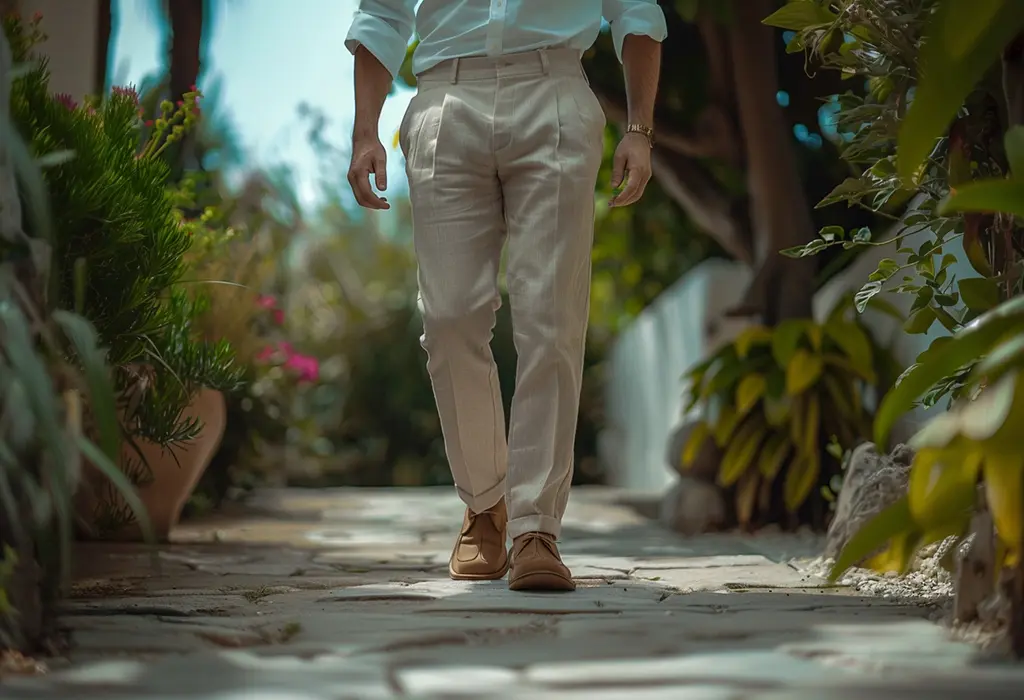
x=506 y=150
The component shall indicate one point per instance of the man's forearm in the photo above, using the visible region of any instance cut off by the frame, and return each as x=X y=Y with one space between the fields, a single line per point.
x=641 y=64
x=373 y=81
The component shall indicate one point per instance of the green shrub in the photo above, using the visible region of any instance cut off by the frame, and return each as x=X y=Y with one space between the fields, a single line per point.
x=775 y=399
x=119 y=241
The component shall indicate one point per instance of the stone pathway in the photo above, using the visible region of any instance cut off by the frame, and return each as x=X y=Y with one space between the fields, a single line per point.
x=317 y=595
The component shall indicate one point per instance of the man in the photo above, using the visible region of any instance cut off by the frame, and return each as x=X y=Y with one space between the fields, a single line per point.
x=503 y=142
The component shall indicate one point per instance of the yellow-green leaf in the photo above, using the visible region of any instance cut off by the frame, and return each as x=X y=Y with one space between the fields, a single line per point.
x=942 y=487
x=920 y=321
x=898 y=555
x=979 y=293
x=776 y=411
x=811 y=427
x=773 y=453
x=802 y=371
x=854 y=343
x=946 y=80
x=750 y=337
x=881 y=529
x=994 y=195
x=972 y=342
x=741 y=451
x=726 y=423
x=798 y=15
x=801 y=477
x=395 y=139
x=749 y=392
x=786 y=339
x=966 y=21
x=694 y=442
x=1004 y=488
x=746 y=497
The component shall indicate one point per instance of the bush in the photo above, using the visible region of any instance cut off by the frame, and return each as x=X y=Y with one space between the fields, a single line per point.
x=784 y=403
x=957 y=155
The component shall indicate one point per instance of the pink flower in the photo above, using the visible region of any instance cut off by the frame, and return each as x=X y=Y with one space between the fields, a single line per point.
x=127 y=91
x=266 y=302
x=268 y=353
x=66 y=100
x=308 y=368
x=278 y=316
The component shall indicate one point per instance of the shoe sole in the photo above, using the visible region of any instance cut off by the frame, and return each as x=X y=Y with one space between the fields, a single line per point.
x=497 y=575
x=542 y=581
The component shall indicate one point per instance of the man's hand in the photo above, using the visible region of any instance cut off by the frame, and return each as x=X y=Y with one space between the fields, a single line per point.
x=368 y=158
x=632 y=162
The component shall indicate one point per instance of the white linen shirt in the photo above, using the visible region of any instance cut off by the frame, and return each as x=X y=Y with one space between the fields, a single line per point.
x=459 y=28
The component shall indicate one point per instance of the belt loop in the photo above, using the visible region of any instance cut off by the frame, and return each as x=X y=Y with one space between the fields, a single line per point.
x=455 y=70
x=544 y=64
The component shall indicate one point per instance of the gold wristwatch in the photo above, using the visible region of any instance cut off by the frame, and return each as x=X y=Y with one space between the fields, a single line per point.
x=647 y=131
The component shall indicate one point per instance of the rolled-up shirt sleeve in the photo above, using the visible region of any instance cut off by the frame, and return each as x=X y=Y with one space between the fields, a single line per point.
x=384 y=27
x=627 y=17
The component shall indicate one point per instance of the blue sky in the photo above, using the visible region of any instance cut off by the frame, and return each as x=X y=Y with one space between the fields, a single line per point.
x=270 y=56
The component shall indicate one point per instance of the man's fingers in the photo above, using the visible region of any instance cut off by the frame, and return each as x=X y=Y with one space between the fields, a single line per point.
x=365 y=197
x=635 y=184
x=380 y=170
x=618 y=170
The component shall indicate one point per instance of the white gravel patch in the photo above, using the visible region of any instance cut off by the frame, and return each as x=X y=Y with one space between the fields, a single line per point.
x=927 y=580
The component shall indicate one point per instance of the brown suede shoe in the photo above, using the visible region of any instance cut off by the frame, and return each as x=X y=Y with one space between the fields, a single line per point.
x=480 y=553
x=537 y=566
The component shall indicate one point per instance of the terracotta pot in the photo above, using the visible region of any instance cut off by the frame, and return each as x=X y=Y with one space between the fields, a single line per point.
x=175 y=472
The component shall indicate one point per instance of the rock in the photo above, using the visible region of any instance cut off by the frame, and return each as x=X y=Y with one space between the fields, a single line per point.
x=705 y=467
x=872 y=483
x=692 y=506
x=976 y=566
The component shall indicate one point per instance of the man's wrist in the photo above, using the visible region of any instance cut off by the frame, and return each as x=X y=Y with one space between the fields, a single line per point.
x=642 y=129
x=364 y=131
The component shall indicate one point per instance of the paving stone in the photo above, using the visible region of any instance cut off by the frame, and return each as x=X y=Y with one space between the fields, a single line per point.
x=473 y=681
x=715 y=578
x=343 y=593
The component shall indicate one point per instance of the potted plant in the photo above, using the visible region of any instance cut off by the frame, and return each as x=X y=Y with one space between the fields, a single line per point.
x=119 y=246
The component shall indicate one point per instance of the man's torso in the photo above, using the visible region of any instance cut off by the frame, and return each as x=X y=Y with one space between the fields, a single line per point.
x=460 y=28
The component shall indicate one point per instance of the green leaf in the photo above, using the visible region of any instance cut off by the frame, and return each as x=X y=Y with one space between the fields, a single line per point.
x=801 y=476
x=874 y=534
x=741 y=452
x=979 y=293
x=854 y=343
x=920 y=321
x=947 y=79
x=832 y=233
x=803 y=371
x=940 y=360
x=102 y=400
x=750 y=337
x=1009 y=354
x=1014 y=144
x=865 y=295
x=772 y=455
x=688 y=9
x=966 y=21
x=802 y=251
x=749 y=392
x=988 y=196
x=887 y=267
x=124 y=488
x=786 y=340
x=799 y=15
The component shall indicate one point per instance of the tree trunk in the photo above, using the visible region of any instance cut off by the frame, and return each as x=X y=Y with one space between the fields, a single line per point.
x=780 y=213
x=103 y=30
x=185 y=64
